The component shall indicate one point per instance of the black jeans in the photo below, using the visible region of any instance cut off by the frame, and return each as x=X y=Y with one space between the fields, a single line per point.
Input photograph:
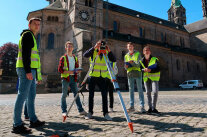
x=101 y=82
x=110 y=89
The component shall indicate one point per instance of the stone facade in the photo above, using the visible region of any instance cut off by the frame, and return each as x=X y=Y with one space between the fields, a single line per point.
x=75 y=20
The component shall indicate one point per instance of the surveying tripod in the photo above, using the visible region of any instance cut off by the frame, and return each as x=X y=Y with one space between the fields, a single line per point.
x=115 y=84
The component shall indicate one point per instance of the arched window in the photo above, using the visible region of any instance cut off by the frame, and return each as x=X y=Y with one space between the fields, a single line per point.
x=56 y=19
x=178 y=64
x=71 y=3
x=198 y=68
x=115 y=26
x=53 y=18
x=86 y=2
x=90 y=3
x=188 y=66
x=123 y=53
x=162 y=37
x=38 y=40
x=51 y=38
x=140 y=32
x=49 y=18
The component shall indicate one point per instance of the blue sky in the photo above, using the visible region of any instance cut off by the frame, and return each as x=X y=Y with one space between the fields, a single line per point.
x=13 y=13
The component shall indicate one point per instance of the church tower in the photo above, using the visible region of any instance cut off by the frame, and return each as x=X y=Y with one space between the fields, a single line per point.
x=204 y=7
x=177 y=13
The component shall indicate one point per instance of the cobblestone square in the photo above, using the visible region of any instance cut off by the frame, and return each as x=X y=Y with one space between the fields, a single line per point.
x=184 y=114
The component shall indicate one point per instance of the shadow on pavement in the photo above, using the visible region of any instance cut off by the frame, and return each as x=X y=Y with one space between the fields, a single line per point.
x=63 y=129
x=169 y=127
x=187 y=114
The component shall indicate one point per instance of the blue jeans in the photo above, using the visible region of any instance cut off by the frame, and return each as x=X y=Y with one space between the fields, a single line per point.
x=25 y=110
x=26 y=91
x=140 y=90
x=74 y=89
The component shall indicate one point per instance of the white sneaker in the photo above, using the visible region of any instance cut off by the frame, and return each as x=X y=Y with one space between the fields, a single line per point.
x=88 y=116
x=142 y=110
x=83 y=113
x=64 y=114
x=111 y=110
x=107 y=117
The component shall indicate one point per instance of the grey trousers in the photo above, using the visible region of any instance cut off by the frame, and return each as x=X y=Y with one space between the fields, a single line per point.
x=152 y=86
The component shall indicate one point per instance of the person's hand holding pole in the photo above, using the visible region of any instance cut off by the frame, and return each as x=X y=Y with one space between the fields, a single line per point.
x=98 y=44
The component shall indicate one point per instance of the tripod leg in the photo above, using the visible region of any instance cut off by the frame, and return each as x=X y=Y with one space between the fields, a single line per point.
x=116 y=87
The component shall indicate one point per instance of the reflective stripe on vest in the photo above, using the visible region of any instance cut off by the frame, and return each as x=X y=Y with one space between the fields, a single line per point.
x=133 y=58
x=34 y=54
x=99 y=68
x=66 y=67
x=39 y=75
x=151 y=76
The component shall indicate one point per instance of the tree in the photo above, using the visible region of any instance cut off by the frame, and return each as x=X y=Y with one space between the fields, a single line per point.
x=8 y=55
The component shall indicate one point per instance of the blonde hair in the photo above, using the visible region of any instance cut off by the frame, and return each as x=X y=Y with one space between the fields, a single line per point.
x=68 y=42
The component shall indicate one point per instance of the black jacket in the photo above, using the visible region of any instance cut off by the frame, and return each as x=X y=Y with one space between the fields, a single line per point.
x=89 y=53
x=27 y=45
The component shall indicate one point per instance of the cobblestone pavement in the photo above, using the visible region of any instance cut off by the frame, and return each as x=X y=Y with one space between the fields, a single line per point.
x=184 y=114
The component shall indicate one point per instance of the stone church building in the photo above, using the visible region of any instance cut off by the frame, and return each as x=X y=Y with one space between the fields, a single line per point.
x=177 y=45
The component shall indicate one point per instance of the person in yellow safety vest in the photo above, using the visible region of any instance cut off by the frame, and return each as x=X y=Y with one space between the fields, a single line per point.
x=68 y=67
x=98 y=76
x=28 y=67
x=150 y=66
x=110 y=85
x=132 y=65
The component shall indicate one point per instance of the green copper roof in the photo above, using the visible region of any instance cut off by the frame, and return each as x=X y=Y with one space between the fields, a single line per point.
x=176 y=3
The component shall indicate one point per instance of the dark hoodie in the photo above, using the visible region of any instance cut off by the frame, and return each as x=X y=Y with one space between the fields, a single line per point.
x=27 y=45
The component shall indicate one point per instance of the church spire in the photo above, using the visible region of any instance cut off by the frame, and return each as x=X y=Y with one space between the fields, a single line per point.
x=204 y=7
x=176 y=3
x=177 y=13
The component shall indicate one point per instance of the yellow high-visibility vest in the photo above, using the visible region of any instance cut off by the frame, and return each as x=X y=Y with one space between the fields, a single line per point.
x=66 y=67
x=151 y=76
x=35 y=61
x=99 y=68
x=133 y=58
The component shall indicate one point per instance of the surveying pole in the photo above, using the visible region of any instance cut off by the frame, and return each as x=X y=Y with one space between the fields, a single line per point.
x=116 y=86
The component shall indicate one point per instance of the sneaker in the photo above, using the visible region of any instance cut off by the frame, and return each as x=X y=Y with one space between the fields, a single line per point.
x=83 y=113
x=111 y=110
x=38 y=123
x=155 y=111
x=107 y=117
x=142 y=110
x=64 y=114
x=149 y=111
x=89 y=116
x=21 y=130
x=131 y=109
